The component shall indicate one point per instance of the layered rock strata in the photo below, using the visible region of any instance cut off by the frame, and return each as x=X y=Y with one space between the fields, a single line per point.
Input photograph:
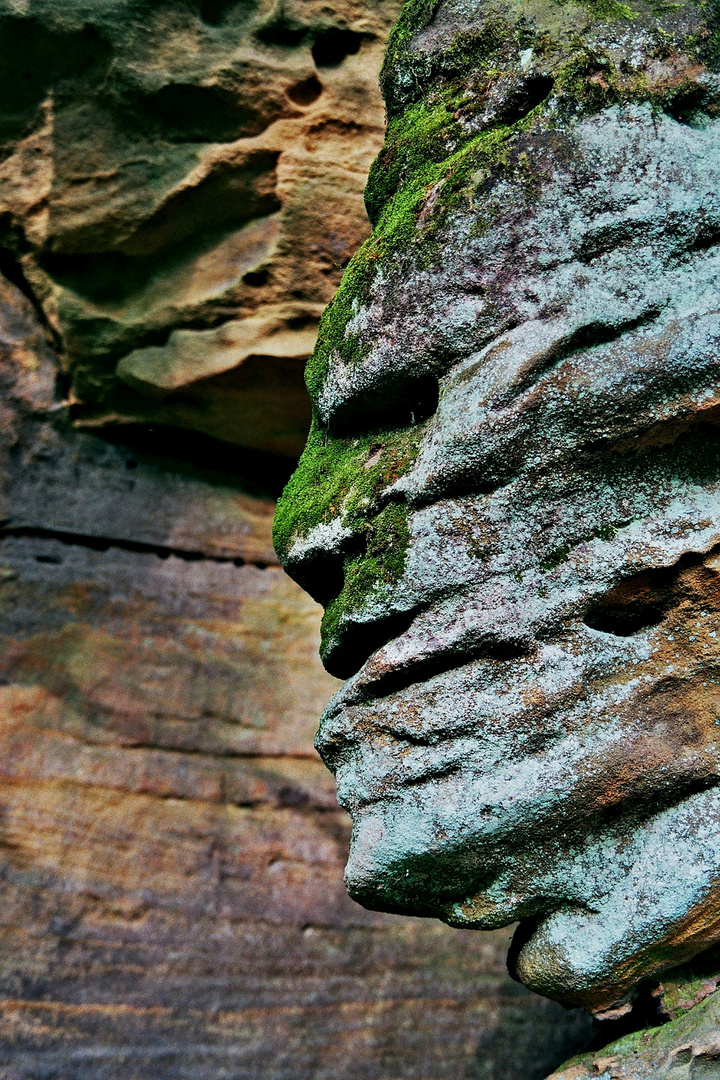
x=510 y=500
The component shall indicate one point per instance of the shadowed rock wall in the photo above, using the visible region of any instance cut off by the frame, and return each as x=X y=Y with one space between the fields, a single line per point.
x=180 y=188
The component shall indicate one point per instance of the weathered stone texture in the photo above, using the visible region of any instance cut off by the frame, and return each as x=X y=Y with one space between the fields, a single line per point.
x=687 y=1049
x=181 y=184
x=171 y=851
x=509 y=504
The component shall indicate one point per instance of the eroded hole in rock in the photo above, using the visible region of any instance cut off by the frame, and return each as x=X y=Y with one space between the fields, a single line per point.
x=529 y=94
x=213 y=12
x=388 y=408
x=624 y=620
x=256 y=278
x=333 y=46
x=639 y=602
x=537 y=89
x=282 y=32
x=645 y=600
x=306 y=92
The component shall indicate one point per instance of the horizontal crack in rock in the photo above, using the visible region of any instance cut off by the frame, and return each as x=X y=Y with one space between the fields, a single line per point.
x=104 y=543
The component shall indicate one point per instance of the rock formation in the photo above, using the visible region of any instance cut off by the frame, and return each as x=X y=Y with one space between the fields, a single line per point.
x=510 y=500
x=171 y=850
x=685 y=1047
x=180 y=187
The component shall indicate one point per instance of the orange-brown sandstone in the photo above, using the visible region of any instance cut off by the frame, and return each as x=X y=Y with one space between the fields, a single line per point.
x=181 y=186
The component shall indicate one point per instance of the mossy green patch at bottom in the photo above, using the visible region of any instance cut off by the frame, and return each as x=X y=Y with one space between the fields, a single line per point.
x=341 y=479
x=644 y=1052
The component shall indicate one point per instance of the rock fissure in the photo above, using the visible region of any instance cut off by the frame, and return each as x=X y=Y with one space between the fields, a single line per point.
x=105 y=543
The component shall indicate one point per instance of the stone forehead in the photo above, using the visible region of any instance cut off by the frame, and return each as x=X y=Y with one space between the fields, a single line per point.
x=615 y=236
x=507 y=181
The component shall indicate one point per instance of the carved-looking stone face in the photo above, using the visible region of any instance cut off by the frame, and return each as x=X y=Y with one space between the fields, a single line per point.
x=510 y=500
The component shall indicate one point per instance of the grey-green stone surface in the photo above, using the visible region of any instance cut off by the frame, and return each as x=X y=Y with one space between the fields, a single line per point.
x=686 y=1049
x=510 y=499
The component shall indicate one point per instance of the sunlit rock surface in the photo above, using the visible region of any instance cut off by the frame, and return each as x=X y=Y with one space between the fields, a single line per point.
x=510 y=500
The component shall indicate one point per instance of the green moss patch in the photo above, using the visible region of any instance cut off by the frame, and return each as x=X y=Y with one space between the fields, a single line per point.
x=461 y=119
x=647 y=1050
x=339 y=478
x=387 y=538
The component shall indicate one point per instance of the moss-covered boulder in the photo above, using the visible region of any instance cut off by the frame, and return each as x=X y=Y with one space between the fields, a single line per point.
x=510 y=500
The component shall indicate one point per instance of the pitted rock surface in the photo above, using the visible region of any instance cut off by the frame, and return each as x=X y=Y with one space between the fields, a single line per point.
x=510 y=499
x=180 y=189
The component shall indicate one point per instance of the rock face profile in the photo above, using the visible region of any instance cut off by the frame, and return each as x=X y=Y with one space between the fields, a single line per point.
x=509 y=503
x=180 y=187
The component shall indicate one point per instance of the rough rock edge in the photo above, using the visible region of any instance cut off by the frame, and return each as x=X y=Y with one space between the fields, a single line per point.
x=656 y=1052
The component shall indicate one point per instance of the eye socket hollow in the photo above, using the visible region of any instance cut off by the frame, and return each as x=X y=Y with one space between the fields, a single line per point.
x=635 y=604
x=387 y=409
x=334 y=45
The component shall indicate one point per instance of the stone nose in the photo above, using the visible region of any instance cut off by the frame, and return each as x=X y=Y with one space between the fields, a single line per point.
x=336 y=737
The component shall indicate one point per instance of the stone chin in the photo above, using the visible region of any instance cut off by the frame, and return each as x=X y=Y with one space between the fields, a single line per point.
x=596 y=959
x=594 y=827
x=598 y=915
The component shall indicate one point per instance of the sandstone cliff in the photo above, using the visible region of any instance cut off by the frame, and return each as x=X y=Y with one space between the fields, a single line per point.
x=181 y=188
